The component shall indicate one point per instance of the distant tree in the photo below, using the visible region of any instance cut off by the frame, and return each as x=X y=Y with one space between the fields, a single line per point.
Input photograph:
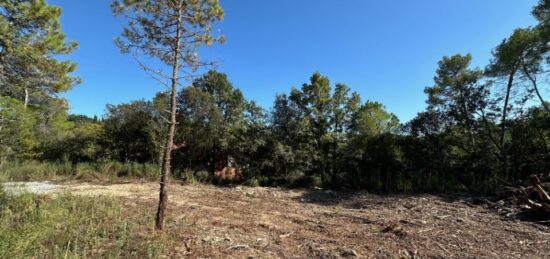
x=283 y=122
x=458 y=96
x=458 y=122
x=79 y=118
x=371 y=154
x=130 y=132
x=530 y=144
x=211 y=112
x=31 y=40
x=373 y=119
x=81 y=141
x=518 y=55
x=313 y=101
x=318 y=120
x=171 y=31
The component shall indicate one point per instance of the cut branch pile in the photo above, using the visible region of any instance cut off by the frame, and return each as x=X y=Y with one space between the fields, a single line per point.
x=537 y=198
x=532 y=198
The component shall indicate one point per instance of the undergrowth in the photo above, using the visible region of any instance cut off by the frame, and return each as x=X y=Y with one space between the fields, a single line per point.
x=111 y=171
x=68 y=226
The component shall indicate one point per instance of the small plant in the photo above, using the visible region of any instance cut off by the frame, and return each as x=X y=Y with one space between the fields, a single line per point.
x=203 y=176
x=253 y=182
x=188 y=176
x=316 y=181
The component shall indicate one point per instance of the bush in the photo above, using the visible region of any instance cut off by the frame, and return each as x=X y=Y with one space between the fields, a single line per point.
x=188 y=176
x=253 y=182
x=316 y=181
x=296 y=179
x=203 y=176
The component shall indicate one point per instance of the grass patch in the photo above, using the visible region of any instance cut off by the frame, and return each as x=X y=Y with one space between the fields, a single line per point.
x=68 y=226
x=110 y=171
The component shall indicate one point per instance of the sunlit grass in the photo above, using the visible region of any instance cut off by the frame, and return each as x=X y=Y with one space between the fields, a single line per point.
x=68 y=226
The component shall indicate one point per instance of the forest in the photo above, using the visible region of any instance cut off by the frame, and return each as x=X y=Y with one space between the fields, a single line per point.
x=483 y=129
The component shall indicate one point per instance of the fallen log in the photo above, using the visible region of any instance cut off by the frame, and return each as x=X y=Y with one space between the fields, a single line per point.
x=540 y=208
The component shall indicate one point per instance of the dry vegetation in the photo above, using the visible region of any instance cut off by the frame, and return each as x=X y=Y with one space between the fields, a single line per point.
x=243 y=222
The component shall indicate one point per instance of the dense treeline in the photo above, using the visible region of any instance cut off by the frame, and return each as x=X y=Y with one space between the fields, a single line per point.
x=482 y=127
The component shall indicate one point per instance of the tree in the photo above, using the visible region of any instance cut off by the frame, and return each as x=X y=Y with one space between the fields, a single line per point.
x=316 y=121
x=212 y=114
x=373 y=119
x=457 y=95
x=171 y=31
x=521 y=52
x=17 y=137
x=530 y=152
x=371 y=150
x=131 y=132
x=79 y=142
x=456 y=121
x=30 y=41
x=542 y=13
x=283 y=122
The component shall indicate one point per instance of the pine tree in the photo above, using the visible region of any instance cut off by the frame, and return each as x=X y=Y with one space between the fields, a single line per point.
x=171 y=31
x=30 y=40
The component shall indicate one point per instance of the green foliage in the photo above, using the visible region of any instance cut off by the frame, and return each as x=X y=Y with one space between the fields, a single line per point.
x=134 y=131
x=67 y=226
x=203 y=176
x=31 y=39
x=211 y=114
x=108 y=171
x=155 y=24
x=253 y=182
x=480 y=129
x=373 y=120
x=17 y=137
x=79 y=142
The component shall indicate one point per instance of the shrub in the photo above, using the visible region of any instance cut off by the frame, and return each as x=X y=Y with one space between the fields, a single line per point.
x=203 y=176
x=253 y=182
x=188 y=176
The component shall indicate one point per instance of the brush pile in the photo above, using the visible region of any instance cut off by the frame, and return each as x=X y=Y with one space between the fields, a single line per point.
x=532 y=197
x=536 y=196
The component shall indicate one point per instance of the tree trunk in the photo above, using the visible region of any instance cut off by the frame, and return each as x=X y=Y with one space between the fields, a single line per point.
x=167 y=161
x=26 y=101
x=503 y=154
x=535 y=86
x=544 y=104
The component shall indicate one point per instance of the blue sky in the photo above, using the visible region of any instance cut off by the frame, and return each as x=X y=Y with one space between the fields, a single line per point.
x=385 y=50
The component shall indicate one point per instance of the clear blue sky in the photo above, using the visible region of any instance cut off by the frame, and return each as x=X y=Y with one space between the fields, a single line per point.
x=385 y=50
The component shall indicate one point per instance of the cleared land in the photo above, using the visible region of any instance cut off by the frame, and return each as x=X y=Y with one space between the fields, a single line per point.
x=208 y=221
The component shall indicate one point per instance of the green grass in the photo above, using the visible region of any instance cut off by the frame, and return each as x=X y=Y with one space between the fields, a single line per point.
x=67 y=226
x=35 y=171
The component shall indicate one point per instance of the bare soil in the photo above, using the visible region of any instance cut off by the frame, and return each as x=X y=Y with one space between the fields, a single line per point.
x=243 y=222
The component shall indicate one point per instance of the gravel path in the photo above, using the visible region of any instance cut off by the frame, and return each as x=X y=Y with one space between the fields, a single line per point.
x=33 y=187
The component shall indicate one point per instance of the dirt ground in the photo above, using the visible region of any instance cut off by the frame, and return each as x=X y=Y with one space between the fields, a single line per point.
x=243 y=222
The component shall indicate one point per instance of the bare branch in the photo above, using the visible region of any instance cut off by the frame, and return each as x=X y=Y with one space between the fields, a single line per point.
x=179 y=146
